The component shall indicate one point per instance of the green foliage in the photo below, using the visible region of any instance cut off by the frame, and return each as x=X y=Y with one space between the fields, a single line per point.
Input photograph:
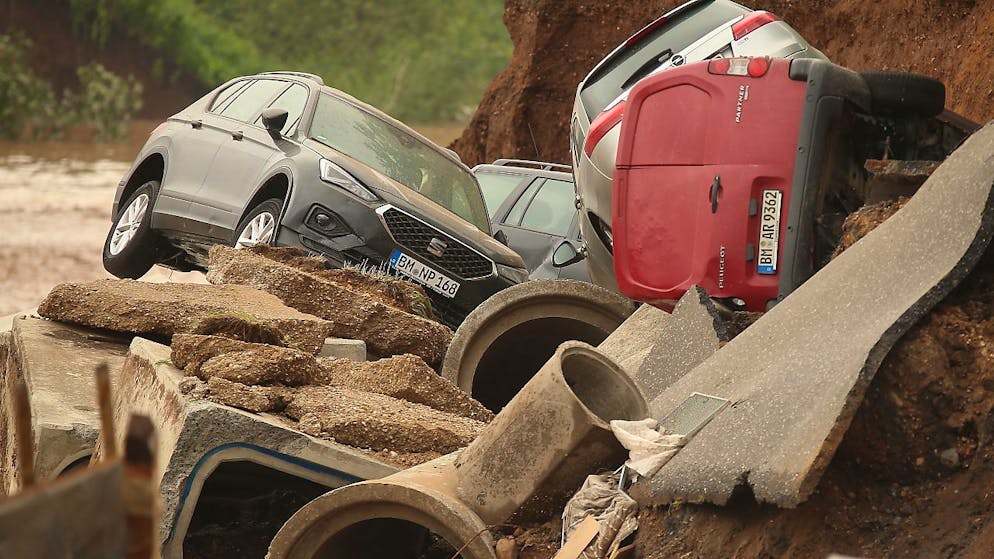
x=107 y=100
x=425 y=61
x=29 y=105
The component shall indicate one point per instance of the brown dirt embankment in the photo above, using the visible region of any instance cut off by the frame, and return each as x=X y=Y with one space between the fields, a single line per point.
x=556 y=44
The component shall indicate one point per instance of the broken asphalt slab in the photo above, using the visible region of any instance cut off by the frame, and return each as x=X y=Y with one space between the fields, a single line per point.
x=56 y=362
x=797 y=376
x=164 y=309
x=195 y=436
x=385 y=329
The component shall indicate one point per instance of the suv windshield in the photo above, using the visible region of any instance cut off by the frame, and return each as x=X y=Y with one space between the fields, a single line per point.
x=399 y=155
x=672 y=37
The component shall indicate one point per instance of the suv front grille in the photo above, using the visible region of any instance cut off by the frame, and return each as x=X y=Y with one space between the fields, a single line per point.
x=415 y=235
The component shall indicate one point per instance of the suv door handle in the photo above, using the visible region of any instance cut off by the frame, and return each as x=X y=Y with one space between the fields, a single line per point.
x=713 y=197
x=197 y=124
x=238 y=135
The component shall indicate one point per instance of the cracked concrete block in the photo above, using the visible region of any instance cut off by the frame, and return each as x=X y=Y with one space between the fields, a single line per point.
x=57 y=363
x=385 y=329
x=164 y=309
x=406 y=377
x=796 y=377
x=344 y=348
x=693 y=333
x=631 y=342
x=376 y=421
x=196 y=435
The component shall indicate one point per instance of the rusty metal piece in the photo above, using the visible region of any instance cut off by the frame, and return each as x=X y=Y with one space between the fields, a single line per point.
x=106 y=406
x=24 y=434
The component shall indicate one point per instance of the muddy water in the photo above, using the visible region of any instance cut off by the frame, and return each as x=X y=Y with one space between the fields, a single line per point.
x=55 y=200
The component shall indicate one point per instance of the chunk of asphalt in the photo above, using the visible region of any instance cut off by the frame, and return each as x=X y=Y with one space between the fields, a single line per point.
x=164 y=309
x=244 y=362
x=693 y=334
x=56 y=362
x=406 y=377
x=385 y=329
x=797 y=376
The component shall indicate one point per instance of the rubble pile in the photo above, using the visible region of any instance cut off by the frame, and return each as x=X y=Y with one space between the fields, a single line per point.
x=387 y=330
x=397 y=405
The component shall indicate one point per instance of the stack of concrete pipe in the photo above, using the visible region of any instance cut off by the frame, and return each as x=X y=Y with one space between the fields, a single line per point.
x=525 y=465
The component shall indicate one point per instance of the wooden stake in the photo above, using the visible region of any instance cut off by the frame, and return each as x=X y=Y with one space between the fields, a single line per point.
x=106 y=411
x=24 y=434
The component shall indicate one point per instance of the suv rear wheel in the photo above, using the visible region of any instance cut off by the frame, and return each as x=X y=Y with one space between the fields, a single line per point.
x=131 y=247
x=259 y=226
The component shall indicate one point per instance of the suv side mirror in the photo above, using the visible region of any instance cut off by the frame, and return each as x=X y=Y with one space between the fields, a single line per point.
x=274 y=119
x=567 y=253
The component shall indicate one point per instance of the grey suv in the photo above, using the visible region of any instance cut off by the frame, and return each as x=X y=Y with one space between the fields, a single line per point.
x=697 y=30
x=280 y=158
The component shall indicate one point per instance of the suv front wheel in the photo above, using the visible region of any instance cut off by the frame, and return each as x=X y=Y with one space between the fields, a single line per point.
x=131 y=247
x=259 y=226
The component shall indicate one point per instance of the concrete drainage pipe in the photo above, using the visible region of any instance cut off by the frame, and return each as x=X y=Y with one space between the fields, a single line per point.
x=527 y=462
x=507 y=338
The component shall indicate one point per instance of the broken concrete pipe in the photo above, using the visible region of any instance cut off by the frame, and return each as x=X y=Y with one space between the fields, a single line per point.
x=527 y=462
x=507 y=338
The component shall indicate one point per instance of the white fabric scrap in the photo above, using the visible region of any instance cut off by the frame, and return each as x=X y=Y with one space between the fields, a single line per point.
x=648 y=449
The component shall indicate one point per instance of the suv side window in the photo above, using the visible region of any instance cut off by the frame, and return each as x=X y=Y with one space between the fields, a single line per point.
x=227 y=95
x=293 y=100
x=251 y=100
x=518 y=209
x=552 y=209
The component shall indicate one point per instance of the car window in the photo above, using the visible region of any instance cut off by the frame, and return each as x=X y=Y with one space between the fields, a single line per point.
x=400 y=155
x=496 y=188
x=640 y=59
x=552 y=209
x=293 y=100
x=227 y=94
x=518 y=209
x=252 y=99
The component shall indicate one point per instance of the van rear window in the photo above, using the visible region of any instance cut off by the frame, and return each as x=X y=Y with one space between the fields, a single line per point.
x=609 y=81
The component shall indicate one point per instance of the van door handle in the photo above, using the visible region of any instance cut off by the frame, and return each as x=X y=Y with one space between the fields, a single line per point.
x=238 y=135
x=715 y=188
x=197 y=124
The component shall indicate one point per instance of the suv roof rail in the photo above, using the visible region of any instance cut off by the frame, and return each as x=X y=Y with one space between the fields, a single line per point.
x=544 y=165
x=314 y=77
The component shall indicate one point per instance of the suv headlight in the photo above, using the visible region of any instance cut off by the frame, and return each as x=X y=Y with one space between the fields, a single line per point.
x=517 y=275
x=333 y=174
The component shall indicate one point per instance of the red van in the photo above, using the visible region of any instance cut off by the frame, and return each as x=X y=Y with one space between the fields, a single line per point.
x=735 y=174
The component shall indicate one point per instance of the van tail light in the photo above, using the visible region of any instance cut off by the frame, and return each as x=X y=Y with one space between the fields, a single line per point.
x=752 y=67
x=608 y=119
x=752 y=22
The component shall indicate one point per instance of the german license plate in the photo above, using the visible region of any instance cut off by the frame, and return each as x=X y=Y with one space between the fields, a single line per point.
x=769 y=232
x=425 y=275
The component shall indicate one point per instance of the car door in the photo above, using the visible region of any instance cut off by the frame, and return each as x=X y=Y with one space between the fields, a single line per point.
x=539 y=219
x=245 y=152
x=191 y=154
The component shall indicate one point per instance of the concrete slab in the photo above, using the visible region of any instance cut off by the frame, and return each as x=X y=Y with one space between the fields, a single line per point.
x=195 y=436
x=632 y=341
x=344 y=348
x=7 y=322
x=797 y=376
x=57 y=362
x=693 y=334
x=82 y=516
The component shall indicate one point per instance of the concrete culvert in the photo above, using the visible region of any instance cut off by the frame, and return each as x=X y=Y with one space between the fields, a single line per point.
x=504 y=341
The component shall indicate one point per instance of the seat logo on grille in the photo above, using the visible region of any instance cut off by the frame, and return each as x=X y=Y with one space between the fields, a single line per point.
x=436 y=247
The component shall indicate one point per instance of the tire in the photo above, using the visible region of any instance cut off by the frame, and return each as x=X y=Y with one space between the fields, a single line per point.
x=265 y=227
x=903 y=94
x=132 y=247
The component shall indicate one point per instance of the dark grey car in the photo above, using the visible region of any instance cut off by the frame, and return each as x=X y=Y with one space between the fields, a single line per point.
x=532 y=205
x=280 y=158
